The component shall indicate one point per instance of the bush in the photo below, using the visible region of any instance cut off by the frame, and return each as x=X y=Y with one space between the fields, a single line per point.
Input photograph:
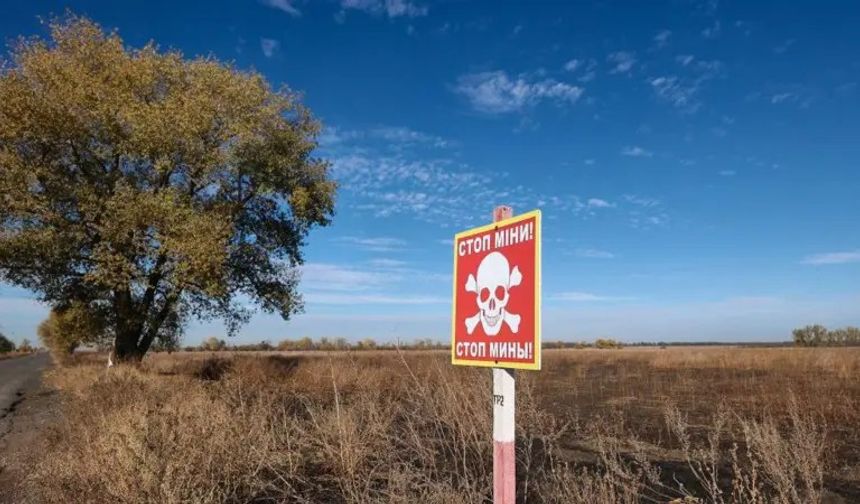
x=213 y=344
x=367 y=344
x=300 y=344
x=607 y=344
x=6 y=345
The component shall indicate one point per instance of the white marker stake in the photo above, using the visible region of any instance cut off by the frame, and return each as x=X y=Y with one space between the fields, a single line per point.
x=504 y=423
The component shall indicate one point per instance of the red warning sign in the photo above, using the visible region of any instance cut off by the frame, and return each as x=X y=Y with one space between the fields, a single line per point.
x=496 y=308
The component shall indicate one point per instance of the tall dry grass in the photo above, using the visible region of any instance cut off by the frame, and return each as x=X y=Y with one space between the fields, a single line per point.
x=385 y=427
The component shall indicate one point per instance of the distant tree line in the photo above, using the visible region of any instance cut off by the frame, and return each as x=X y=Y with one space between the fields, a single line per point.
x=8 y=346
x=215 y=344
x=602 y=343
x=818 y=335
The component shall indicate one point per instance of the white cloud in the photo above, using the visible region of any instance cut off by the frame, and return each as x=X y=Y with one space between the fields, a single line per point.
x=390 y=179
x=332 y=136
x=662 y=38
x=390 y=8
x=588 y=76
x=406 y=135
x=645 y=212
x=636 y=151
x=641 y=201
x=594 y=254
x=379 y=281
x=436 y=190
x=269 y=46
x=572 y=65
x=639 y=220
x=375 y=244
x=623 y=62
x=672 y=90
x=685 y=59
x=682 y=92
x=783 y=97
x=727 y=173
x=833 y=258
x=398 y=136
x=744 y=27
x=713 y=31
x=788 y=94
x=589 y=72
x=341 y=278
x=384 y=262
x=334 y=298
x=576 y=296
x=784 y=46
x=496 y=92
x=599 y=203
x=283 y=5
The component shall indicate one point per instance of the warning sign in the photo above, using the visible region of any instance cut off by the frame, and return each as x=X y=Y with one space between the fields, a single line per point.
x=496 y=308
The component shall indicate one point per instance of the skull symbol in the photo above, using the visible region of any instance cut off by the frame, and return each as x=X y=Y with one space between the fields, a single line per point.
x=495 y=278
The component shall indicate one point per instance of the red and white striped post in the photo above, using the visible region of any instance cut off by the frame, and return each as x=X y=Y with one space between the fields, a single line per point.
x=504 y=423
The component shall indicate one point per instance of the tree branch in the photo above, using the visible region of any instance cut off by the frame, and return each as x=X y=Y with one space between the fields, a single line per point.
x=155 y=324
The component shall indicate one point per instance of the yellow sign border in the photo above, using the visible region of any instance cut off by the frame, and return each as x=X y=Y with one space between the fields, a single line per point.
x=537 y=295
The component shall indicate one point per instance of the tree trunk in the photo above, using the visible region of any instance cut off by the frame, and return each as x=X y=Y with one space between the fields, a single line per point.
x=125 y=348
x=126 y=330
x=135 y=330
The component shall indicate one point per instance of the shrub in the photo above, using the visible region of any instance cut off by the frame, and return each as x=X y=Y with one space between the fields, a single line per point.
x=607 y=343
x=367 y=344
x=6 y=345
x=213 y=344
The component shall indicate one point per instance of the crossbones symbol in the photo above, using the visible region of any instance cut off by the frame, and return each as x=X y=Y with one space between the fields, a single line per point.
x=495 y=278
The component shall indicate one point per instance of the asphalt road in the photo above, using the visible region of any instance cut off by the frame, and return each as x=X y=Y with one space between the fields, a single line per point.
x=20 y=377
x=25 y=409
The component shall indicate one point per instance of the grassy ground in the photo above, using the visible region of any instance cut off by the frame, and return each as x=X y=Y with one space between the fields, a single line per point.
x=713 y=424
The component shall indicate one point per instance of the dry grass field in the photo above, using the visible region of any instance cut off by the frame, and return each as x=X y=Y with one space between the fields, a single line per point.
x=716 y=425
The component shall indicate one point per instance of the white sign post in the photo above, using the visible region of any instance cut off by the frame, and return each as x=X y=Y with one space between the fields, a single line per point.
x=504 y=419
x=504 y=436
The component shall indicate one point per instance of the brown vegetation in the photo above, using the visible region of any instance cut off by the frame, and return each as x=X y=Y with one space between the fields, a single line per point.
x=713 y=424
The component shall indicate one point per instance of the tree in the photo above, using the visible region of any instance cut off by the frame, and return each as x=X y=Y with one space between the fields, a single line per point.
x=6 y=345
x=811 y=335
x=367 y=344
x=851 y=335
x=65 y=330
x=213 y=344
x=26 y=346
x=148 y=188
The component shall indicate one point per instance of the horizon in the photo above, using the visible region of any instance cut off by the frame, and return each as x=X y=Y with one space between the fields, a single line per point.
x=698 y=160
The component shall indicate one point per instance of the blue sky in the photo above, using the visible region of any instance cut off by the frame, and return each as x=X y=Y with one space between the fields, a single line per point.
x=696 y=162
